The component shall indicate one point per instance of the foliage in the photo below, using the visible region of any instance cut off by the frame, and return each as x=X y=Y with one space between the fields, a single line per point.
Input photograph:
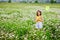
x=17 y=23
x=53 y=1
x=9 y=1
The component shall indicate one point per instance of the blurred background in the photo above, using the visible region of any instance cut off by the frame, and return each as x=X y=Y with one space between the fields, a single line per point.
x=32 y=1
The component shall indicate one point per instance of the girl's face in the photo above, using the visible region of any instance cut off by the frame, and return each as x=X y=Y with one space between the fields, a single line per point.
x=38 y=13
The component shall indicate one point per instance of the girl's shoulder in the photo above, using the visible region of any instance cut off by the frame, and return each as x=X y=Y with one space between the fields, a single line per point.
x=37 y=16
x=41 y=16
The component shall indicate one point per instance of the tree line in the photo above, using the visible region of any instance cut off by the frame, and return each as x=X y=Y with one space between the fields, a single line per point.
x=51 y=1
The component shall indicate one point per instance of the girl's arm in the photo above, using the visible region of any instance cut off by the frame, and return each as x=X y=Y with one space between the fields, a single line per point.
x=41 y=19
x=36 y=19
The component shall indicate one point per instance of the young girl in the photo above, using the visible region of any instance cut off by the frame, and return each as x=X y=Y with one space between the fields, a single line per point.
x=39 y=19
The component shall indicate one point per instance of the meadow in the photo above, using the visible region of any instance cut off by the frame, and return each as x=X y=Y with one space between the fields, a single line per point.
x=17 y=21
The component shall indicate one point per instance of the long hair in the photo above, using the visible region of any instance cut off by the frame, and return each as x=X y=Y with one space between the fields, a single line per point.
x=38 y=11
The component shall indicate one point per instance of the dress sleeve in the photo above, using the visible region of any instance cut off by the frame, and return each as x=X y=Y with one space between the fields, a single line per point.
x=36 y=18
x=42 y=18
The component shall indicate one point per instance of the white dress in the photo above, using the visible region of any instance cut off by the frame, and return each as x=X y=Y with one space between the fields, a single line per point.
x=39 y=25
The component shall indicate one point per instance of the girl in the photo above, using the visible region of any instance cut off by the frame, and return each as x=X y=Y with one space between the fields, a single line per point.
x=39 y=19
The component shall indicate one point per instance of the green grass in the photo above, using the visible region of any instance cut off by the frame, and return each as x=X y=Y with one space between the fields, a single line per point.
x=17 y=22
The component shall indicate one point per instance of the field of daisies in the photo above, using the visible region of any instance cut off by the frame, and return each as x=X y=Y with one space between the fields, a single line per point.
x=17 y=21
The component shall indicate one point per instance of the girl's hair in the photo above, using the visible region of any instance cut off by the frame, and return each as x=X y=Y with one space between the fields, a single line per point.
x=38 y=11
